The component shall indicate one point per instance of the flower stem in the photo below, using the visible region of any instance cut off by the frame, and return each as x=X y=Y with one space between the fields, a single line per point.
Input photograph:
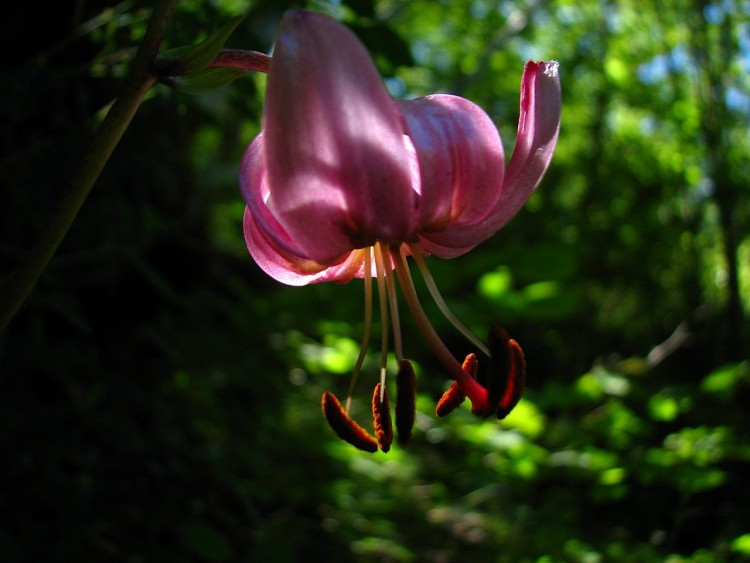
x=241 y=59
x=137 y=83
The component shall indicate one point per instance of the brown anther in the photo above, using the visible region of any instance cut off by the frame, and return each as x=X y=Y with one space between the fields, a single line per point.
x=344 y=426
x=515 y=382
x=454 y=396
x=381 y=413
x=450 y=400
x=471 y=365
x=406 y=390
x=495 y=378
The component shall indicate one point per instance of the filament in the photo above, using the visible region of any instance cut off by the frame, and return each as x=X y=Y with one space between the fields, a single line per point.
x=442 y=305
x=366 y=333
x=383 y=298
x=473 y=389
x=395 y=318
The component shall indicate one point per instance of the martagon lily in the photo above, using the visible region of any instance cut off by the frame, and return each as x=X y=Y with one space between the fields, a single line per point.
x=346 y=182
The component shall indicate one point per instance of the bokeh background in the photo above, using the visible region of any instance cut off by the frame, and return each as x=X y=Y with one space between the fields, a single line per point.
x=159 y=395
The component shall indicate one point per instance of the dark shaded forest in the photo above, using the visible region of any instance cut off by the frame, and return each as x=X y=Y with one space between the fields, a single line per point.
x=160 y=394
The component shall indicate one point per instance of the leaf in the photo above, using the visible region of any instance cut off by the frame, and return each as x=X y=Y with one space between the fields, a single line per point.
x=206 y=80
x=200 y=56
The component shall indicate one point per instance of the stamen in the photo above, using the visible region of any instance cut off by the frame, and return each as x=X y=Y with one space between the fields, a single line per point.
x=471 y=365
x=442 y=305
x=406 y=391
x=516 y=380
x=367 y=330
x=344 y=426
x=395 y=319
x=506 y=374
x=478 y=394
x=495 y=378
x=381 y=413
x=383 y=298
x=454 y=396
x=450 y=400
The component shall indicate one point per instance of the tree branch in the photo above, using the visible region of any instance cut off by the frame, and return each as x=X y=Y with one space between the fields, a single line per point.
x=137 y=83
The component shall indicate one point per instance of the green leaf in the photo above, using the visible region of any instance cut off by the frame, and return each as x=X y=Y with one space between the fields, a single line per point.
x=191 y=59
x=200 y=56
x=206 y=80
x=741 y=544
x=725 y=380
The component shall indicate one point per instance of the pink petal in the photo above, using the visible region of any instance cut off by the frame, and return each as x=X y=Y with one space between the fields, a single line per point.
x=337 y=164
x=538 y=128
x=290 y=269
x=270 y=245
x=460 y=159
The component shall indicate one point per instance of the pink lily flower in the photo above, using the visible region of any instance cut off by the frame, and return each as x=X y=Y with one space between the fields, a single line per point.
x=345 y=181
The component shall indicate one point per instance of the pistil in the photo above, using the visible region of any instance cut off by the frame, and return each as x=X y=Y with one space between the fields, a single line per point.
x=479 y=396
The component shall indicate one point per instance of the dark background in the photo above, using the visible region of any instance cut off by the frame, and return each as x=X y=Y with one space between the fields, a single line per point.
x=159 y=395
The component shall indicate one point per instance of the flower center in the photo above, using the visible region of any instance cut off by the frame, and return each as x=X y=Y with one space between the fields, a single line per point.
x=498 y=392
x=384 y=260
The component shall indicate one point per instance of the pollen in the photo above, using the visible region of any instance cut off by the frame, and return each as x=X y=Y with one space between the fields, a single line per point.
x=381 y=413
x=516 y=380
x=344 y=426
x=454 y=396
x=406 y=387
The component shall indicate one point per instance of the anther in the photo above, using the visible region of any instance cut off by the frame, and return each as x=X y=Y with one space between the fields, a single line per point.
x=406 y=390
x=381 y=413
x=344 y=426
x=454 y=396
x=515 y=382
x=495 y=377
x=507 y=371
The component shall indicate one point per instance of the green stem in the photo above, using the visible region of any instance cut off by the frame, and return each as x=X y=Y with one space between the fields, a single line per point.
x=139 y=80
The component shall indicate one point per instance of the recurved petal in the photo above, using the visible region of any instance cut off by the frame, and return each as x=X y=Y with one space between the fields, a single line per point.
x=336 y=159
x=538 y=129
x=291 y=269
x=460 y=159
x=270 y=245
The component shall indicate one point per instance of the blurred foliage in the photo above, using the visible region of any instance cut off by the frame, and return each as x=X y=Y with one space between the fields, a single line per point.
x=159 y=395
